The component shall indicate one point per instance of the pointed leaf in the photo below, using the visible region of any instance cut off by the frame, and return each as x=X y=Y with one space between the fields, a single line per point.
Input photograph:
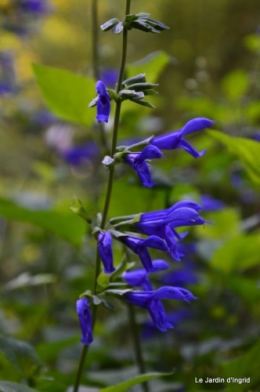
x=248 y=151
x=245 y=366
x=124 y=386
x=21 y=355
x=7 y=386
x=153 y=65
x=67 y=94
x=65 y=225
x=143 y=103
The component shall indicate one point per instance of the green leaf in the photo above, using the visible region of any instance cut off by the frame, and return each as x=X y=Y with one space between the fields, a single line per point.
x=239 y=253
x=78 y=209
x=235 y=84
x=66 y=94
x=245 y=366
x=223 y=224
x=21 y=355
x=124 y=386
x=143 y=103
x=153 y=65
x=6 y=386
x=248 y=151
x=67 y=226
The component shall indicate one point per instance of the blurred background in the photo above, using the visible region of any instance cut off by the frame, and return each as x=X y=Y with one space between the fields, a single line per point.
x=207 y=65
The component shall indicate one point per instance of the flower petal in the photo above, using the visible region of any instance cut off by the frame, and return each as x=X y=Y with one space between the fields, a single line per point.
x=105 y=251
x=197 y=124
x=85 y=320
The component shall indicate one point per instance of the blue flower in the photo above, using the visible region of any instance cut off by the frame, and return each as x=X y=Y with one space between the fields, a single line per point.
x=162 y=223
x=137 y=160
x=85 y=320
x=140 y=278
x=175 y=139
x=173 y=318
x=151 y=300
x=103 y=102
x=105 y=251
x=139 y=246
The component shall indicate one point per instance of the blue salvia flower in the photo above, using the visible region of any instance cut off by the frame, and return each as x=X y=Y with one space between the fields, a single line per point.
x=151 y=300
x=139 y=277
x=175 y=139
x=173 y=318
x=103 y=102
x=137 y=160
x=85 y=320
x=105 y=251
x=139 y=246
x=162 y=223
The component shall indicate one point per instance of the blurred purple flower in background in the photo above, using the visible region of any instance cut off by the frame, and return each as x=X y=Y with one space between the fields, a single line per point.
x=78 y=154
x=35 y=6
x=109 y=77
x=59 y=137
x=7 y=73
x=209 y=204
x=20 y=15
x=181 y=276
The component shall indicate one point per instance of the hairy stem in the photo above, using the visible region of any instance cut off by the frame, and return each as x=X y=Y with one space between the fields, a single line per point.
x=110 y=178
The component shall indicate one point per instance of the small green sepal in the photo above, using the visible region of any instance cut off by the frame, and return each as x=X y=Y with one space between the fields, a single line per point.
x=110 y=24
x=79 y=210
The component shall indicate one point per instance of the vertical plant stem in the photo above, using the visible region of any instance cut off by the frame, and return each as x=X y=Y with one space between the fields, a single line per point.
x=137 y=344
x=95 y=63
x=110 y=179
x=95 y=38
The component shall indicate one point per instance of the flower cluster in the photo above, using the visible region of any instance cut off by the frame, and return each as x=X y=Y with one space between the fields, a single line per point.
x=157 y=229
x=141 y=232
x=137 y=160
x=160 y=228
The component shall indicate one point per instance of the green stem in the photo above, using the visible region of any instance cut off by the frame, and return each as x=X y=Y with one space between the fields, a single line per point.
x=137 y=344
x=95 y=38
x=95 y=63
x=109 y=185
